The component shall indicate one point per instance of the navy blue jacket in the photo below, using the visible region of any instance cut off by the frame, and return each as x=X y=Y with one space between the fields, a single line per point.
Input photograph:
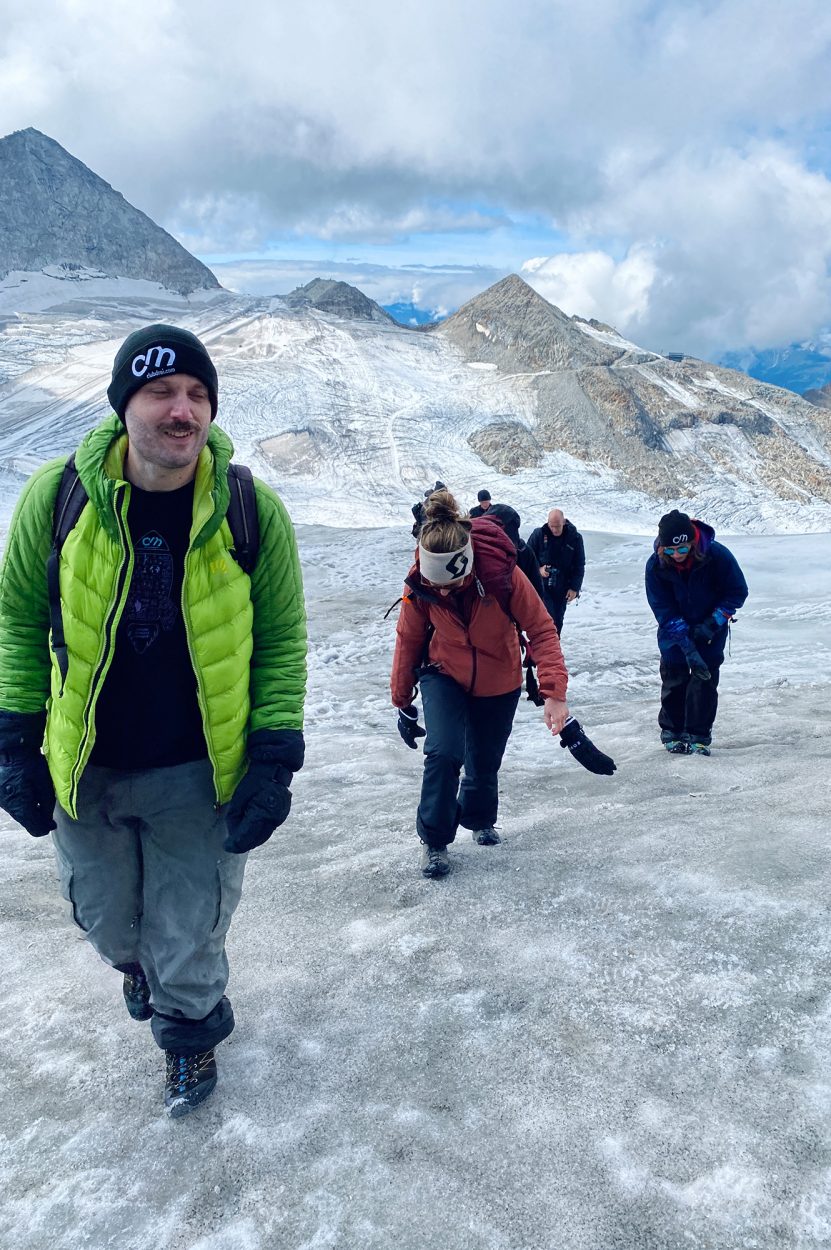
x=694 y=594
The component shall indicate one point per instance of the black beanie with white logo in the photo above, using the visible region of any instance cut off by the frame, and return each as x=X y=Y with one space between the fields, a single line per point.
x=158 y=351
x=674 y=528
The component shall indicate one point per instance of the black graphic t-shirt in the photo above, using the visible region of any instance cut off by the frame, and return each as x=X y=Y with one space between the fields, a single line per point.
x=147 y=714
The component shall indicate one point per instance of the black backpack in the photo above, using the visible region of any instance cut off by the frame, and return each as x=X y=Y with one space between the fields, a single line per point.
x=70 y=501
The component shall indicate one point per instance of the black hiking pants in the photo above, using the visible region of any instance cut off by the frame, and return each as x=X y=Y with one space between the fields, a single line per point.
x=556 y=605
x=688 y=706
x=462 y=730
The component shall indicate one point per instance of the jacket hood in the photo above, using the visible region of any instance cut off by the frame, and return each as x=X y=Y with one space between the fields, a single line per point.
x=100 y=464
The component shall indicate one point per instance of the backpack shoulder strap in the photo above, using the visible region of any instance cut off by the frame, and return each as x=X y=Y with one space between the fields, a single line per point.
x=70 y=502
x=243 y=518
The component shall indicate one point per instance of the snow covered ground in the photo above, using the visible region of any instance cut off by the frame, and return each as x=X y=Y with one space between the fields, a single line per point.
x=609 y=1033
x=352 y=420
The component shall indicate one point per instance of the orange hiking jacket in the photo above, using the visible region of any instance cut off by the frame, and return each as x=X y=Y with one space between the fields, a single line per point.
x=474 y=641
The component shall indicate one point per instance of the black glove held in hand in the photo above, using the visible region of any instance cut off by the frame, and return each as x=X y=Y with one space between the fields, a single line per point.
x=261 y=803
x=697 y=666
x=26 y=790
x=584 y=750
x=707 y=630
x=409 y=727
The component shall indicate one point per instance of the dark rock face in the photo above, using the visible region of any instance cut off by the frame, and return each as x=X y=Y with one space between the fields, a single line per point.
x=819 y=396
x=338 y=298
x=657 y=422
x=513 y=327
x=55 y=211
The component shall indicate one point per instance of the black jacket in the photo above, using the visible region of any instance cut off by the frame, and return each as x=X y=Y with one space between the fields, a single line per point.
x=566 y=554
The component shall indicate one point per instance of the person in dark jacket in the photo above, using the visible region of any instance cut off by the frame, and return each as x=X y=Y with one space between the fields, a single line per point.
x=483 y=505
x=558 y=549
x=694 y=587
x=510 y=520
x=418 y=507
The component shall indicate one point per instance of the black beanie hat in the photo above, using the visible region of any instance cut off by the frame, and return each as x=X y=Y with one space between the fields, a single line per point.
x=674 y=528
x=483 y=494
x=158 y=351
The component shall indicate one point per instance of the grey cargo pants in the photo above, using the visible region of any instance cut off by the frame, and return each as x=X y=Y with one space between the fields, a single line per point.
x=149 y=883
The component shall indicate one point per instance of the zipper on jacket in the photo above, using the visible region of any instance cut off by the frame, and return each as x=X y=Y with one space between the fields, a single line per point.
x=108 y=650
x=200 y=689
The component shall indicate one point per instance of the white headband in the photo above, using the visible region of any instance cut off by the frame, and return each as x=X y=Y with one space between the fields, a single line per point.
x=441 y=567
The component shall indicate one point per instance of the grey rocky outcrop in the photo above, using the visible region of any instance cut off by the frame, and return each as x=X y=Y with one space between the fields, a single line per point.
x=55 y=212
x=514 y=328
x=338 y=298
x=658 y=422
x=820 y=396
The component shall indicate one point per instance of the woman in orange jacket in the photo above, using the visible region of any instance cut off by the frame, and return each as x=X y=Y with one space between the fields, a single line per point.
x=457 y=638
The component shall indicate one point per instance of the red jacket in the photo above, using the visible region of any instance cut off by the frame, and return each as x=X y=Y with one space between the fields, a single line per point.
x=474 y=641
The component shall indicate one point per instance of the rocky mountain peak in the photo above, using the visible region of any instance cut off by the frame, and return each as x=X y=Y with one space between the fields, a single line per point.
x=56 y=212
x=338 y=298
x=511 y=325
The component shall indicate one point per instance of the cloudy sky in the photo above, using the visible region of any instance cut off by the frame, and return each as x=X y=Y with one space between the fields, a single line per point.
x=661 y=165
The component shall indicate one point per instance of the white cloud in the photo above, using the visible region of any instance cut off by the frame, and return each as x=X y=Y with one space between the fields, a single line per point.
x=593 y=284
x=682 y=129
x=735 y=250
x=437 y=289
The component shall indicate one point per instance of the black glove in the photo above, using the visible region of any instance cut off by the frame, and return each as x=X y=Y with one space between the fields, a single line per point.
x=697 y=666
x=707 y=630
x=532 y=687
x=409 y=727
x=262 y=800
x=583 y=749
x=26 y=790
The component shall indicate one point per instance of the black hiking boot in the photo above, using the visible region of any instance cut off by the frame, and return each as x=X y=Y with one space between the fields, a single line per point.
x=675 y=743
x=434 y=861
x=699 y=748
x=487 y=836
x=137 y=994
x=189 y=1079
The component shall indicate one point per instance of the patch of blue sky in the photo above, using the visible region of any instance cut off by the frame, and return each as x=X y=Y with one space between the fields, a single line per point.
x=506 y=243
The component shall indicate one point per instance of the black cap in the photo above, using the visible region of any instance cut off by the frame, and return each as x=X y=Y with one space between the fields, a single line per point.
x=483 y=494
x=158 y=351
x=431 y=490
x=674 y=528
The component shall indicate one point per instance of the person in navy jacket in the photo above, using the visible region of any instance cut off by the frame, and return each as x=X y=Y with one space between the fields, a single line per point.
x=694 y=587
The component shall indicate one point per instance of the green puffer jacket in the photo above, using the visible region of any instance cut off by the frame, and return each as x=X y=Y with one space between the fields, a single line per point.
x=247 y=636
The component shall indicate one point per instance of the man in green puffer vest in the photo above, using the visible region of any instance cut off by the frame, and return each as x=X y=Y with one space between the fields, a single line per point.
x=158 y=743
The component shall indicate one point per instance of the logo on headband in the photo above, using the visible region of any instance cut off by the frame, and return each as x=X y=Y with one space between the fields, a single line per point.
x=145 y=361
x=457 y=566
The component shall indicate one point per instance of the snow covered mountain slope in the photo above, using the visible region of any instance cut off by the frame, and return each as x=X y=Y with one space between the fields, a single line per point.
x=351 y=418
x=59 y=218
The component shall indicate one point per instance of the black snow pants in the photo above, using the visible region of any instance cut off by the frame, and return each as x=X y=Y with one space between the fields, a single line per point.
x=688 y=705
x=461 y=730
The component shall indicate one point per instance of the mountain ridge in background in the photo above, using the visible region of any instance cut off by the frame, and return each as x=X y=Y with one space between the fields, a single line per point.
x=341 y=299
x=57 y=214
x=349 y=413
